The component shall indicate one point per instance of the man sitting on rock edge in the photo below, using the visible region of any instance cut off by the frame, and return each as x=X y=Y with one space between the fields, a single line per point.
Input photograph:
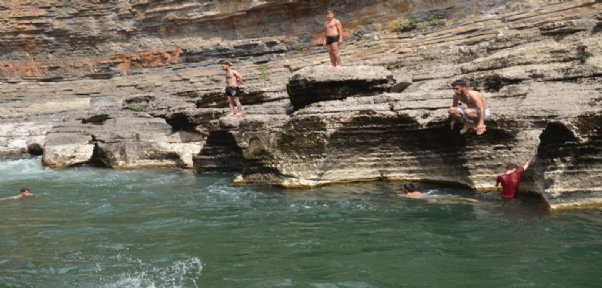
x=477 y=110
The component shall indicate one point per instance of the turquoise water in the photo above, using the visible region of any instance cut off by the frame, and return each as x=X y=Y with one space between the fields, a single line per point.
x=92 y=227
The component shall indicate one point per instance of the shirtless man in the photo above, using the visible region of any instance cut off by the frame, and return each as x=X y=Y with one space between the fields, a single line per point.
x=24 y=193
x=233 y=80
x=477 y=110
x=511 y=179
x=333 y=38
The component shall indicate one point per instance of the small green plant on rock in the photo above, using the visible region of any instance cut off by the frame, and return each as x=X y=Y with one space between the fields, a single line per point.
x=408 y=25
x=265 y=72
x=300 y=48
x=138 y=109
x=584 y=57
x=437 y=20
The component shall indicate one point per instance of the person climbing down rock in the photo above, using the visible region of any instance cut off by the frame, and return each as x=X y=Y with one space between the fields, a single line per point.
x=511 y=179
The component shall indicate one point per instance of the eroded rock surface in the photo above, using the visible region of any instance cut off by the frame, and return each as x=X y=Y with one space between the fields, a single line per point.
x=141 y=87
x=322 y=83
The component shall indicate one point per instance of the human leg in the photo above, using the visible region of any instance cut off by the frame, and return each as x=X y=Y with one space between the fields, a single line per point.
x=238 y=106
x=231 y=104
x=469 y=114
x=333 y=59
x=334 y=47
x=456 y=114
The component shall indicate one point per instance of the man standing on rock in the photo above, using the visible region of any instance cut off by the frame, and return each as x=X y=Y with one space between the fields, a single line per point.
x=333 y=38
x=511 y=179
x=233 y=80
x=477 y=110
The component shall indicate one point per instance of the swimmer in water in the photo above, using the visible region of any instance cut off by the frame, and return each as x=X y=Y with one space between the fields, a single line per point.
x=409 y=190
x=24 y=193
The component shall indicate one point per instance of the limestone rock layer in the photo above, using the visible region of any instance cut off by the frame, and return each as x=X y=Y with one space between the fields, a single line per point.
x=131 y=84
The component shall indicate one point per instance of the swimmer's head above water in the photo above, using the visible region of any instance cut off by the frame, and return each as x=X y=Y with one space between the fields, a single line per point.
x=25 y=192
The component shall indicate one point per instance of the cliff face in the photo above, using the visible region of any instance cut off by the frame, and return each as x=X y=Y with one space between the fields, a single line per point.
x=130 y=84
x=53 y=40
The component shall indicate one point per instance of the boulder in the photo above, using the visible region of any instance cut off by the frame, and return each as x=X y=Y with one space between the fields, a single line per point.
x=322 y=83
x=62 y=150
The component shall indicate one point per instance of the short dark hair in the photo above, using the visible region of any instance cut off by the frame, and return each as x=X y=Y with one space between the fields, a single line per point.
x=409 y=187
x=226 y=63
x=24 y=190
x=511 y=166
x=329 y=11
x=459 y=83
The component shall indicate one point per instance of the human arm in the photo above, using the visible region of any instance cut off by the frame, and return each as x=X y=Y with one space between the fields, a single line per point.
x=454 y=104
x=239 y=77
x=12 y=197
x=529 y=162
x=325 y=35
x=480 y=104
x=340 y=29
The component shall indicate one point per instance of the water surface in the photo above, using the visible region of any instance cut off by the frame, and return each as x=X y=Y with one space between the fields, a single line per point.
x=92 y=227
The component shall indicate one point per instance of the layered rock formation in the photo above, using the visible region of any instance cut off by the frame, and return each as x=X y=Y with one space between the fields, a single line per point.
x=130 y=84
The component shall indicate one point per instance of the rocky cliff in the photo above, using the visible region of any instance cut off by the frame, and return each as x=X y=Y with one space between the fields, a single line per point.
x=130 y=84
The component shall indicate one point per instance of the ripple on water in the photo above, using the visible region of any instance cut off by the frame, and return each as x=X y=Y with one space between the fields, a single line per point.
x=180 y=273
x=103 y=210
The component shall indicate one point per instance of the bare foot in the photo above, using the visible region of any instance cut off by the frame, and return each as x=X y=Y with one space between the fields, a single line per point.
x=231 y=114
x=238 y=114
x=467 y=126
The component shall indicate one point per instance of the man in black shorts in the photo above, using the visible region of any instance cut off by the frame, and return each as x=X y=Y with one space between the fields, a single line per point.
x=333 y=38
x=233 y=80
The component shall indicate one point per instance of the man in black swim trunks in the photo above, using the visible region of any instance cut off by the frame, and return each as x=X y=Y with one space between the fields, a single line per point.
x=233 y=80
x=333 y=38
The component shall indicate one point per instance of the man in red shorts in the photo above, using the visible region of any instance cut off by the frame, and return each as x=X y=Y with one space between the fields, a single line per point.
x=511 y=179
